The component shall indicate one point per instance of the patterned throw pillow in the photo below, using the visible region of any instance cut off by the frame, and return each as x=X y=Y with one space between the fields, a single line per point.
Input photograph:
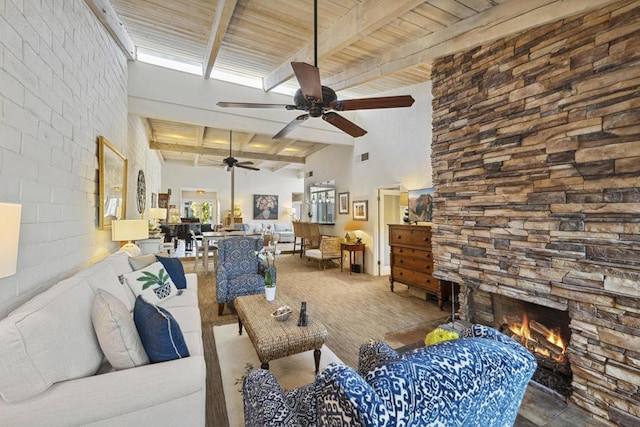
x=152 y=282
x=160 y=333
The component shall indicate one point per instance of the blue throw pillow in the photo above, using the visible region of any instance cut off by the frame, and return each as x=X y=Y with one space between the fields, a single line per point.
x=159 y=332
x=174 y=268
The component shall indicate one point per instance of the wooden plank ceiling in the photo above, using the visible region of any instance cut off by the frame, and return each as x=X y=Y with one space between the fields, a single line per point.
x=364 y=47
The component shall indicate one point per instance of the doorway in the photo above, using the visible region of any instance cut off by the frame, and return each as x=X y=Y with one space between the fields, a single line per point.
x=388 y=212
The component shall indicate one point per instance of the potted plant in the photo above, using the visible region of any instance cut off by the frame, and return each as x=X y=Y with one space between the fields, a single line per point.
x=268 y=255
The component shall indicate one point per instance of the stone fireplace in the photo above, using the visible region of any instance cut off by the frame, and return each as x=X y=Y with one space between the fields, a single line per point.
x=536 y=160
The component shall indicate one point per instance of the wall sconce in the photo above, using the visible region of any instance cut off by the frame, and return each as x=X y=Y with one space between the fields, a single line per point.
x=352 y=226
x=129 y=230
x=9 y=238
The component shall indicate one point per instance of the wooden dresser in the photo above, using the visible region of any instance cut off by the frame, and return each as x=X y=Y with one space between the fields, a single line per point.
x=412 y=260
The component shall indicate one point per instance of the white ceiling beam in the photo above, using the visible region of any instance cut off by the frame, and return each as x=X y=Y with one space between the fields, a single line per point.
x=497 y=22
x=107 y=16
x=221 y=152
x=224 y=13
x=362 y=20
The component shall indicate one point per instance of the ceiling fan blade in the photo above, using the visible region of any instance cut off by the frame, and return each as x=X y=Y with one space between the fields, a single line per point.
x=309 y=78
x=253 y=105
x=343 y=124
x=244 y=163
x=372 y=103
x=291 y=126
x=246 y=167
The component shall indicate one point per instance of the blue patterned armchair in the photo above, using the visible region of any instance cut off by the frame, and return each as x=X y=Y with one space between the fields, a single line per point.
x=239 y=271
x=476 y=380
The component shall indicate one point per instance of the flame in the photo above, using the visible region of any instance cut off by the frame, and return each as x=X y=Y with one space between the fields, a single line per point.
x=523 y=331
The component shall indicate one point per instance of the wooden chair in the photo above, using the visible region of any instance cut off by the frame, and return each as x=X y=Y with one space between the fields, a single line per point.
x=309 y=234
x=328 y=250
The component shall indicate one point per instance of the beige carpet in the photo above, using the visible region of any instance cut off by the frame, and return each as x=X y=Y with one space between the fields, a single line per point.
x=237 y=357
x=354 y=308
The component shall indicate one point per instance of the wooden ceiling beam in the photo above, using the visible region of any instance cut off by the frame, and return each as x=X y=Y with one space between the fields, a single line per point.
x=362 y=20
x=107 y=16
x=499 y=21
x=220 y=152
x=224 y=13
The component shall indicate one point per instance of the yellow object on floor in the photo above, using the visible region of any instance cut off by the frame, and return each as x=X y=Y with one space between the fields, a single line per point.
x=439 y=335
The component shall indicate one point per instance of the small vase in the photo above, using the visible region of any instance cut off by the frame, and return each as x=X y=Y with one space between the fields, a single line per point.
x=269 y=290
x=266 y=213
x=270 y=293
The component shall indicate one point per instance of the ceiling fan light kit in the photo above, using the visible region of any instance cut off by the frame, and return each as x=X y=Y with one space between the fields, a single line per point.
x=322 y=101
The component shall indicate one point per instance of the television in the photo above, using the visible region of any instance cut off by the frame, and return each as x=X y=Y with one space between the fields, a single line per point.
x=421 y=205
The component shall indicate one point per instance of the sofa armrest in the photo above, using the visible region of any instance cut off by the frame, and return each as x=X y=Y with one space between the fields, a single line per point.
x=192 y=280
x=265 y=403
x=117 y=395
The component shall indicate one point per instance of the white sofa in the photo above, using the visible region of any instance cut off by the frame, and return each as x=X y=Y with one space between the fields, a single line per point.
x=284 y=229
x=51 y=363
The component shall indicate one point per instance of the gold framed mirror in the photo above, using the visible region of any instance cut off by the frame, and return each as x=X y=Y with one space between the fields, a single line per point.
x=112 y=184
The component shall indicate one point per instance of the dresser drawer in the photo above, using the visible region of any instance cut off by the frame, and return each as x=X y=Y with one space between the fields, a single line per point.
x=416 y=253
x=423 y=264
x=413 y=236
x=416 y=278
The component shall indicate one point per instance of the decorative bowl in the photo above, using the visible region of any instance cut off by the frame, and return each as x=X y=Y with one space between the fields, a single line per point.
x=282 y=313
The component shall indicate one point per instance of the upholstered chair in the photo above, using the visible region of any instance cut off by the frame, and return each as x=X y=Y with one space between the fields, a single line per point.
x=476 y=380
x=328 y=250
x=239 y=271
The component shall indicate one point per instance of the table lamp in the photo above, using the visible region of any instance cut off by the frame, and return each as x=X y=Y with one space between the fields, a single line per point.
x=352 y=226
x=9 y=238
x=156 y=214
x=404 y=203
x=129 y=230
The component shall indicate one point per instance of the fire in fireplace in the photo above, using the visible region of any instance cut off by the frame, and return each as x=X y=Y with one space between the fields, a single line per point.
x=545 y=332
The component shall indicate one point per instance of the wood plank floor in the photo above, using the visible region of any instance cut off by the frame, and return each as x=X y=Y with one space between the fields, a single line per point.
x=375 y=313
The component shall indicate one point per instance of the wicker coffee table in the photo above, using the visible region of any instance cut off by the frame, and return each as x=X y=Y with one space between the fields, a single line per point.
x=273 y=339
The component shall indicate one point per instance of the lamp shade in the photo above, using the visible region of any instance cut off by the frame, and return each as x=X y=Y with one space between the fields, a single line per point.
x=9 y=237
x=353 y=226
x=157 y=213
x=129 y=229
x=404 y=198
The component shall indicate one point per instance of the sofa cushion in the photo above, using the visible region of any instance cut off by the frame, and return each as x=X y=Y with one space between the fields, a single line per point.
x=280 y=226
x=159 y=332
x=153 y=282
x=141 y=261
x=117 y=332
x=106 y=278
x=47 y=340
x=174 y=267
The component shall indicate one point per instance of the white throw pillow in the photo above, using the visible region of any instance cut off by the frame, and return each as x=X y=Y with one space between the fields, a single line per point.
x=116 y=331
x=152 y=282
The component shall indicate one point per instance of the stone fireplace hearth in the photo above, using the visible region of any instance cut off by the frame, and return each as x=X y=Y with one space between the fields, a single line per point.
x=536 y=163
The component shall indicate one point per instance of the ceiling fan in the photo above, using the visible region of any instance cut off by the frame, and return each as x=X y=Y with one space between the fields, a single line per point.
x=231 y=162
x=322 y=101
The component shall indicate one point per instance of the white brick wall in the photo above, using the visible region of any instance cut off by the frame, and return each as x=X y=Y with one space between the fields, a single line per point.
x=63 y=82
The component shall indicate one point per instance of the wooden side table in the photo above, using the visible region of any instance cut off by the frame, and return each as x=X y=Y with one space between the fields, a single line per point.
x=353 y=249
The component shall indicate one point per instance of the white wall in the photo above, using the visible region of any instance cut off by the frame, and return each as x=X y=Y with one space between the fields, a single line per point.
x=247 y=183
x=399 y=146
x=63 y=82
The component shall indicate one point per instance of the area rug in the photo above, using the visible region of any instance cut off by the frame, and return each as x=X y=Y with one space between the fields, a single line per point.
x=237 y=357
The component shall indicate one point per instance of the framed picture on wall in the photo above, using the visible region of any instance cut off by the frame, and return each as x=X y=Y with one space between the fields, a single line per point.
x=360 y=210
x=265 y=206
x=343 y=203
x=421 y=205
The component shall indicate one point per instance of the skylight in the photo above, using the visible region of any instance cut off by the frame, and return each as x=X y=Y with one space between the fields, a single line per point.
x=191 y=67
